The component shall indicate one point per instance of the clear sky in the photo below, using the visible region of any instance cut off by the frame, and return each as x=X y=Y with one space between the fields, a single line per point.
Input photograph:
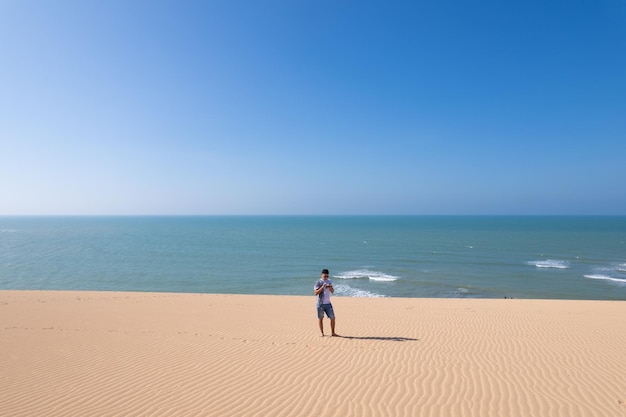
x=313 y=107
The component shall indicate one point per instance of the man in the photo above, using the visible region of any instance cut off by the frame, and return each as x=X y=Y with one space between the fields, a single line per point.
x=323 y=289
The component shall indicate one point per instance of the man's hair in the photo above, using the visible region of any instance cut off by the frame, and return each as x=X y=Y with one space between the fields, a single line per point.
x=324 y=271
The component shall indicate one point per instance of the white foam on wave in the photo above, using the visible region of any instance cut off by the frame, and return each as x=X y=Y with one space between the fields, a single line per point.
x=606 y=278
x=348 y=291
x=550 y=263
x=621 y=267
x=366 y=273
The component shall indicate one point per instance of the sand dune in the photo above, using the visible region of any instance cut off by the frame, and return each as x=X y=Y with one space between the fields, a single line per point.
x=155 y=354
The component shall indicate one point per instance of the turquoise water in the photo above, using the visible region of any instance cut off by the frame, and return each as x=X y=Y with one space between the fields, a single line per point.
x=369 y=256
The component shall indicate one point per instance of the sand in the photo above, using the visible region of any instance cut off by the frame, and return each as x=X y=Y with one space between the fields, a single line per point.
x=157 y=354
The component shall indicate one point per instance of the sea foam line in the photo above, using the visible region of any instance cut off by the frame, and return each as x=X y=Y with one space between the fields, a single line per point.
x=606 y=277
x=550 y=263
x=348 y=291
x=366 y=273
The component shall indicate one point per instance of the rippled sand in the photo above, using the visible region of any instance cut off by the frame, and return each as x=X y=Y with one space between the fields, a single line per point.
x=157 y=354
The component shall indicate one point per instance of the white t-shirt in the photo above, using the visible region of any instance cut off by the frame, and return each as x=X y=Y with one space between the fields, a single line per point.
x=326 y=292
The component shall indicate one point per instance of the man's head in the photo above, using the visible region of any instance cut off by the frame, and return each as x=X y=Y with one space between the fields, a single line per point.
x=324 y=273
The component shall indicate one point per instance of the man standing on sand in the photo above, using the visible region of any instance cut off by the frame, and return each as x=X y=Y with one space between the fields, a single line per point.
x=323 y=288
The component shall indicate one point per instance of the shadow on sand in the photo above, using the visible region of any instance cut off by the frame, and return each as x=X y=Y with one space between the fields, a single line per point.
x=390 y=339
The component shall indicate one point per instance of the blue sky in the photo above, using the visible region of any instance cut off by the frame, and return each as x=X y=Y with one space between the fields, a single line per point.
x=312 y=107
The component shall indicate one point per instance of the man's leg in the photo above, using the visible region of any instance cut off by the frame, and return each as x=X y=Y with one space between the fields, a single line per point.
x=322 y=326
x=332 y=327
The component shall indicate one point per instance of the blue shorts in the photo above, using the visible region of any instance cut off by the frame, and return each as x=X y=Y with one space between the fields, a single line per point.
x=328 y=308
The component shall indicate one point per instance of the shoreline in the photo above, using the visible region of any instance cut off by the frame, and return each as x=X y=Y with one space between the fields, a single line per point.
x=100 y=353
x=336 y=295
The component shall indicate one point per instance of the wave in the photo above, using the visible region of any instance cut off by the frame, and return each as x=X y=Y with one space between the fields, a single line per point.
x=366 y=273
x=460 y=292
x=347 y=291
x=621 y=267
x=606 y=277
x=550 y=263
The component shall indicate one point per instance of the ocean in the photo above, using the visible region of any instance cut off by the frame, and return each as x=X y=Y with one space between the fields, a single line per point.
x=541 y=257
